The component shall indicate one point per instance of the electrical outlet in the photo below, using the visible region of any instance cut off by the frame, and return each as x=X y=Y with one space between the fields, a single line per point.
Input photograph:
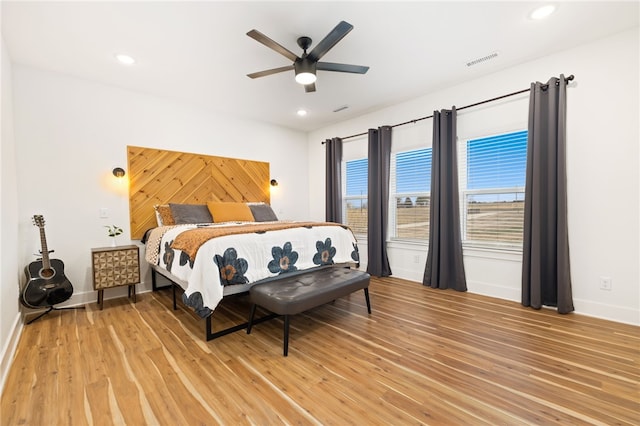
x=416 y=258
x=605 y=283
x=104 y=213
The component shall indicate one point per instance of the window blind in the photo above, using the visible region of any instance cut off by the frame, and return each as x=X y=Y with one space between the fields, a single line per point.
x=356 y=177
x=413 y=171
x=497 y=161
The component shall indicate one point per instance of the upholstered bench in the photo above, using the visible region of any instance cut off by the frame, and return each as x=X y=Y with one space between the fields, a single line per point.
x=301 y=292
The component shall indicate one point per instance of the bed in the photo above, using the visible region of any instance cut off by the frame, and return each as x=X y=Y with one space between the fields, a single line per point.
x=212 y=260
x=223 y=204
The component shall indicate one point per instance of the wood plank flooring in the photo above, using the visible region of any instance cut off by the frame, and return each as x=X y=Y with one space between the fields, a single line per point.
x=423 y=356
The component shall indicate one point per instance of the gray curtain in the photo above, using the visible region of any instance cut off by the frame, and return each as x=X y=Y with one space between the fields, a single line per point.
x=378 y=201
x=445 y=268
x=546 y=275
x=333 y=190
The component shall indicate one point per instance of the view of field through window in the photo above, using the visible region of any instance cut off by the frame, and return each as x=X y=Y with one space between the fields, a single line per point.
x=492 y=192
x=499 y=221
x=496 y=221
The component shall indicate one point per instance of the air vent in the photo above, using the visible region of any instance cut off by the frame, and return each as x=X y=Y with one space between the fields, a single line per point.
x=342 y=108
x=483 y=59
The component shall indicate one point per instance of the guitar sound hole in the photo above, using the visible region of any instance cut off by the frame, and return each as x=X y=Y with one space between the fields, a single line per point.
x=47 y=273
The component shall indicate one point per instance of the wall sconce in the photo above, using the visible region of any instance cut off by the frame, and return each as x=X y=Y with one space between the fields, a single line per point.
x=274 y=182
x=118 y=172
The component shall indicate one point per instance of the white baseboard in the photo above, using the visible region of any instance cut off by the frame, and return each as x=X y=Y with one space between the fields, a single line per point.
x=406 y=274
x=91 y=296
x=608 y=312
x=9 y=349
x=494 y=290
x=475 y=287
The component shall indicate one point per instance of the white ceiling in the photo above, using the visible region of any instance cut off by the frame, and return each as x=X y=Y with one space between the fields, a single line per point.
x=198 y=52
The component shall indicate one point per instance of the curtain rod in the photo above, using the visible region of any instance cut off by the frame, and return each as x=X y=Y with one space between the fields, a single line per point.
x=544 y=86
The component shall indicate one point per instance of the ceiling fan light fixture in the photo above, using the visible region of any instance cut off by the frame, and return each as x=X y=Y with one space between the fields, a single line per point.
x=305 y=78
x=305 y=71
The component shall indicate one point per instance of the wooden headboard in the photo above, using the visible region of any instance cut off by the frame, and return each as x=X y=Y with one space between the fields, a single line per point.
x=159 y=177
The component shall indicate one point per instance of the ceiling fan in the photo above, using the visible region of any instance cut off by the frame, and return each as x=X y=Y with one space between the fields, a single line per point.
x=305 y=66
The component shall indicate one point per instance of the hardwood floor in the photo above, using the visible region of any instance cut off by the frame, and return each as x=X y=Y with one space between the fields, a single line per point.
x=423 y=356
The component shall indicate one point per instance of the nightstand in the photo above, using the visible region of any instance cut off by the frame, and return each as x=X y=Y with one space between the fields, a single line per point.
x=115 y=267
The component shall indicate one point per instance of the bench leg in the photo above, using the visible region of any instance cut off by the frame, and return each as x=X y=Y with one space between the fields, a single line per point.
x=366 y=296
x=286 y=335
x=250 y=324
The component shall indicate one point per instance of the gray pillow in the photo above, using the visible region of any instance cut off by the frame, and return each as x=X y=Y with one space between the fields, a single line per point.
x=262 y=213
x=190 y=213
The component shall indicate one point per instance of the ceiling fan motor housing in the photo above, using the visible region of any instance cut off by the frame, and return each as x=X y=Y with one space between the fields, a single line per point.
x=305 y=65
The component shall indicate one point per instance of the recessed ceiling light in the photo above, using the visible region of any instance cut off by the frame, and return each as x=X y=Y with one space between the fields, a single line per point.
x=542 y=12
x=302 y=112
x=125 y=59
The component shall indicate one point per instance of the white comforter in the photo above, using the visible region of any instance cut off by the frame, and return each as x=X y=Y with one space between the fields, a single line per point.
x=247 y=258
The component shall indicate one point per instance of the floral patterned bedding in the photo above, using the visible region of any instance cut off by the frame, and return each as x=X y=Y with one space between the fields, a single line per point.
x=247 y=258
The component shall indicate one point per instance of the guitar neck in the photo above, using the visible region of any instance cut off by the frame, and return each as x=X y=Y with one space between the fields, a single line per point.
x=46 y=263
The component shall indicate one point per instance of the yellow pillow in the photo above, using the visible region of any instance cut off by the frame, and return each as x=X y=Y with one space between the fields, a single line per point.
x=229 y=212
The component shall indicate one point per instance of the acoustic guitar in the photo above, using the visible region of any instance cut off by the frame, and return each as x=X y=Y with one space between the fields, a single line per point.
x=46 y=283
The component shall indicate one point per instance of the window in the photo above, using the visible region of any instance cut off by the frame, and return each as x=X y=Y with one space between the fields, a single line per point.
x=355 y=195
x=410 y=194
x=492 y=180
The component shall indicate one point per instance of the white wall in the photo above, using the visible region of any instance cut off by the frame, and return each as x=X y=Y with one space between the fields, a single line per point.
x=10 y=274
x=603 y=183
x=71 y=133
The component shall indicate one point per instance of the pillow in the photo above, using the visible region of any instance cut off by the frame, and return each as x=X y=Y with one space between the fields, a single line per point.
x=190 y=213
x=262 y=212
x=163 y=215
x=229 y=212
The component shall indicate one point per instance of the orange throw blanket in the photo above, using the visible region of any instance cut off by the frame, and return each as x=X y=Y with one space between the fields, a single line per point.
x=190 y=241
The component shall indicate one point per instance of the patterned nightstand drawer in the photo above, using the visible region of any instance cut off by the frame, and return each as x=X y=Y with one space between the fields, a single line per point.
x=115 y=267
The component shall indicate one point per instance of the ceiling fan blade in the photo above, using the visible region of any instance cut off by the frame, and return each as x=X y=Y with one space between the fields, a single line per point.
x=269 y=72
x=330 y=66
x=341 y=30
x=310 y=87
x=261 y=38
